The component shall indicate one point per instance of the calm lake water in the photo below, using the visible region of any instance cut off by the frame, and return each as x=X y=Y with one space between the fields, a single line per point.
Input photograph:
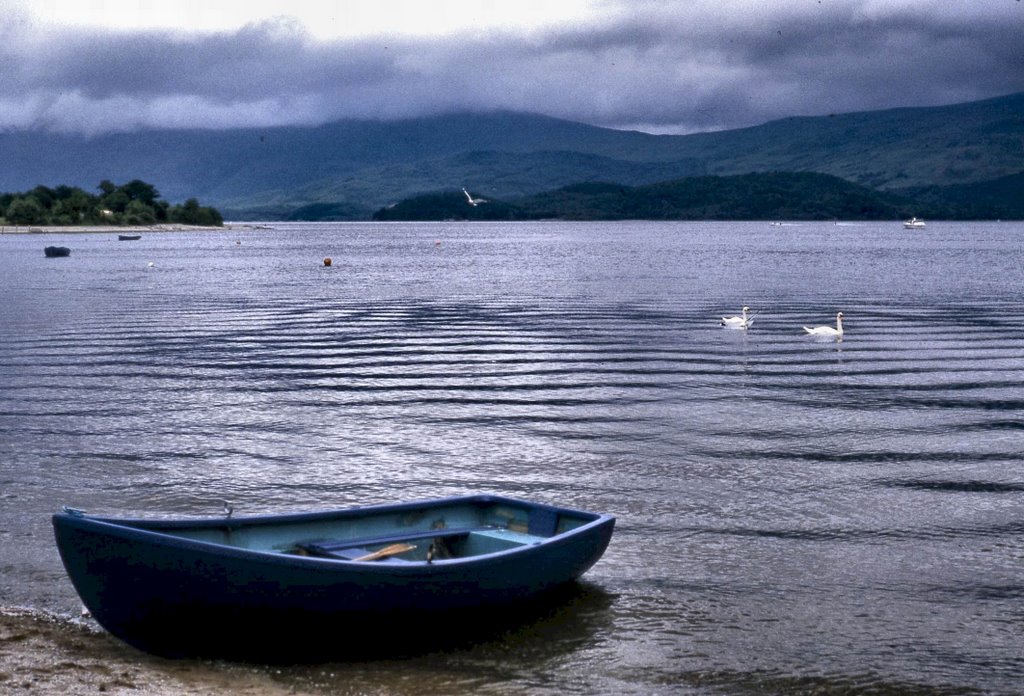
x=795 y=515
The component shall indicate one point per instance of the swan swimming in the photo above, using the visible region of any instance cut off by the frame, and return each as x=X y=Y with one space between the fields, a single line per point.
x=473 y=201
x=741 y=322
x=828 y=330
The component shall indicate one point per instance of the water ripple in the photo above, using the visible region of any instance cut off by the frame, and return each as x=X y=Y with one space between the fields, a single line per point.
x=794 y=515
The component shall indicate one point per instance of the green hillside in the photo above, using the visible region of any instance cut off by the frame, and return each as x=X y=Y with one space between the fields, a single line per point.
x=891 y=149
x=348 y=169
x=510 y=175
x=769 y=196
x=449 y=205
x=1001 y=198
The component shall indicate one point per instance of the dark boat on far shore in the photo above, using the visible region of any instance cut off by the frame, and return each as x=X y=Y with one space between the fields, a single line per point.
x=129 y=237
x=54 y=251
x=292 y=586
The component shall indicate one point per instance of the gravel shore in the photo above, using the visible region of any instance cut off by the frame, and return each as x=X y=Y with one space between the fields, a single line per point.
x=46 y=655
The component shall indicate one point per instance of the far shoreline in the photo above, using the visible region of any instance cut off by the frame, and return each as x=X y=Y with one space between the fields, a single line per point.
x=124 y=229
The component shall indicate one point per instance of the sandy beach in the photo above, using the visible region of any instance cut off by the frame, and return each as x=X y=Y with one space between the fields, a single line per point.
x=48 y=655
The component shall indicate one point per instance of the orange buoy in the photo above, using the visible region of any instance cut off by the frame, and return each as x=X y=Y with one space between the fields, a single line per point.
x=327 y=261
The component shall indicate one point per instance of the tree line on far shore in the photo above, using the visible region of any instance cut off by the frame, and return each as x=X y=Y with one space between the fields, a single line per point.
x=758 y=196
x=134 y=203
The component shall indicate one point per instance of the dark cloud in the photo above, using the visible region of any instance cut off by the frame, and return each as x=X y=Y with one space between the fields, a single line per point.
x=664 y=66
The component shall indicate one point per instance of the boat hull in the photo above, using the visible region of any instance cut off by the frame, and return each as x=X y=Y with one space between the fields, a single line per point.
x=177 y=597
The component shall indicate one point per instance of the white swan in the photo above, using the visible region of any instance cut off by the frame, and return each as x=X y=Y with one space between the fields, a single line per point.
x=828 y=330
x=473 y=201
x=740 y=322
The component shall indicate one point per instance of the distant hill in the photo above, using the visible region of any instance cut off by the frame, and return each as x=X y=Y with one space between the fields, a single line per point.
x=768 y=196
x=893 y=149
x=349 y=169
x=363 y=164
x=450 y=205
x=1001 y=198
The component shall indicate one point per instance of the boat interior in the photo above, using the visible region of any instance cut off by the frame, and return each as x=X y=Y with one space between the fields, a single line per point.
x=391 y=534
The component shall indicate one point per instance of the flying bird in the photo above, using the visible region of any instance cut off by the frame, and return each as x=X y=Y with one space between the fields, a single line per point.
x=828 y=330
x=473 y=201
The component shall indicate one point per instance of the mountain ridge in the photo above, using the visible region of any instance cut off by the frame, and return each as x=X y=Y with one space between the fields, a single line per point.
x=361 y=166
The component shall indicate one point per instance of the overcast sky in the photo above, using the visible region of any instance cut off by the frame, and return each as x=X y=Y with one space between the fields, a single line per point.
x=662 y=66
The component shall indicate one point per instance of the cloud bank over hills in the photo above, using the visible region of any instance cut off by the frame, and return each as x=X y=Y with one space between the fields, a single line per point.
x=675 y=67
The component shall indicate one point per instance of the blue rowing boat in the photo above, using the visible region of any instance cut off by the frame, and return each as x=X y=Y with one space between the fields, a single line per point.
x=275 y=586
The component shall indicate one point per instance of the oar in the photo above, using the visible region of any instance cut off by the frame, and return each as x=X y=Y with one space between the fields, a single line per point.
x=391 y=550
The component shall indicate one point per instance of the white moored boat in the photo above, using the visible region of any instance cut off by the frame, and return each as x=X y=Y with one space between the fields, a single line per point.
x=913 y=224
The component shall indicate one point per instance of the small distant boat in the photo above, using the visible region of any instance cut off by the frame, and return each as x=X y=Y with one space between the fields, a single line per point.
x=129 y=237
x=276 y=584
x=913 y=224
x=53 y=251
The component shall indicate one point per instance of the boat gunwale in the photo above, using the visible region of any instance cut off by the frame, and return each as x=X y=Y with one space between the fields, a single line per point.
x=152 y=532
